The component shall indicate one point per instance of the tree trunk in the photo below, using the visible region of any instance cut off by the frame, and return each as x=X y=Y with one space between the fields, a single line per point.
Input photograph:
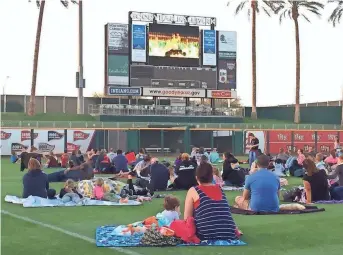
x=32 y=105
x=297 y=76
x=253 y=56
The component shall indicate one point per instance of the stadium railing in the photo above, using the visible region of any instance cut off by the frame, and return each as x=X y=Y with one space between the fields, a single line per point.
x=162 y=125
x=162 y=110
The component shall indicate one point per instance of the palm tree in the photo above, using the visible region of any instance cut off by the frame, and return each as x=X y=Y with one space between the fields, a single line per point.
x=254 y=7
x=337 y=13
x=293 y=10
x=41 y=5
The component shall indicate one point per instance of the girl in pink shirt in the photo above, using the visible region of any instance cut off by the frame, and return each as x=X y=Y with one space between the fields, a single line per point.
x=332 y=159
x=98 y=191
x=301 y=157
x=217 y=179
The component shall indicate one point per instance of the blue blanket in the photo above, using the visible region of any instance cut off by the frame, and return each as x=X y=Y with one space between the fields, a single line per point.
x=105 y=238
x=329 y=202
x=33 y=201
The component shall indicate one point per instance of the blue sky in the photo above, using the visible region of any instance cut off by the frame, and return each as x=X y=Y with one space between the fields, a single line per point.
x=321 y=48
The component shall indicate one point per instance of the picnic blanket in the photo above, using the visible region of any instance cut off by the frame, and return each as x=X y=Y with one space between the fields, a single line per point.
x=231 y=188
x=329 y=202
x=309 y=209
x=105 y=238
x=33 y=201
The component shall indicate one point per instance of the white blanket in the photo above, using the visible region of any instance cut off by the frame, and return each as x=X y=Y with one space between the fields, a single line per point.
x=230 y=188
x=33 y=201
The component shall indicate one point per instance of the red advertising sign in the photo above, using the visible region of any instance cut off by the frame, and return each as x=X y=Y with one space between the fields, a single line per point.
x=279 y=139
x=325 y=141
x=304 y=140
x=219 y=94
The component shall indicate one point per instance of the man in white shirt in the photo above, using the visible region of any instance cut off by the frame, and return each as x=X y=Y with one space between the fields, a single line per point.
x=111 y=155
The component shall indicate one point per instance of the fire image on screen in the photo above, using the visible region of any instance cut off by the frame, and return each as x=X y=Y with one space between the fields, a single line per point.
x=173 y=41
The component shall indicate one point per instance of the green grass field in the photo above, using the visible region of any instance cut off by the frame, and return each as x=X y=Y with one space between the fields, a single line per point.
x=318 y=233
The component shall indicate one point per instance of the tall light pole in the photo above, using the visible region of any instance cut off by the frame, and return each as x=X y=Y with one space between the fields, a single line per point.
x=80 y=109
x=342 y=107
x=4 y=94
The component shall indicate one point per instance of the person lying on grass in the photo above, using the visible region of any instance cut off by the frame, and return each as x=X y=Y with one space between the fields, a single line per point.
x=208 y=205
x=261 y=191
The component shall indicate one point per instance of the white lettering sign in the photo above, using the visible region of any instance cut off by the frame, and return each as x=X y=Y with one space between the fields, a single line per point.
x=172 y=19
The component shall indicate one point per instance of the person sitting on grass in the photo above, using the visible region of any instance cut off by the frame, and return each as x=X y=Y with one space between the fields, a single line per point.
x=69 y=192
x=171 y=208
x=231 y=176
x=320 y=164
x=14 y=158
x=283 y=156
x=217 y=179
x=75 y=159
x=64 y=159
x=261 y=191
x=51 y=160
x=214 y=156
x=336 y=189
x=315 y=183
x=208 y=205
x=120 y=162
x=185 y=174
x=332 y=159
x=35 y=181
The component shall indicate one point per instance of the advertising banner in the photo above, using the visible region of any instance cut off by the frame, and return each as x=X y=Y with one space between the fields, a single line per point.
x=138 y=53
x=118 y=70
x=120 y=91
x=173 y=77
x=227 y=44
x=117 y=35
x=79 y=139
x=44 y=140
x=195 y=93
x=209 y=56
x=292 y=141
x=280 y=139
x=325 y=141
x=226 y=74
x=50 y=140
x=15 y=139
x=221 y=94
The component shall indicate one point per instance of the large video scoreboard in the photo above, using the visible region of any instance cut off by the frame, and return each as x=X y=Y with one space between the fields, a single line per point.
x=167 y=51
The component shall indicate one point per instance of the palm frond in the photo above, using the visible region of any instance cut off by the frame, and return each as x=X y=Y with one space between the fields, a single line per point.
x=295 y=9
x=240 y=7
x=38 y=3
x=65 y=3
x=337 y=14
x=305 y=17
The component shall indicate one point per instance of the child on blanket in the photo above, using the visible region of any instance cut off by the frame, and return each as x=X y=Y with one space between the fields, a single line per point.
x=100 y=194
x=69 y=193
x=172 y=208
x=217 y=179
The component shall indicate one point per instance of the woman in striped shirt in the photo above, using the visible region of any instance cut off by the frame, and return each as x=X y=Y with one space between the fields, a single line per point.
x=208 y=205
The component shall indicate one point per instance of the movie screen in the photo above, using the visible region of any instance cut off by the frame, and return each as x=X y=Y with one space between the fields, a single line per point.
x=173 y=45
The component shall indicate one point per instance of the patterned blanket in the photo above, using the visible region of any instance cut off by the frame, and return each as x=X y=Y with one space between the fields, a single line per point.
x=105 y=238
x=33 y=201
